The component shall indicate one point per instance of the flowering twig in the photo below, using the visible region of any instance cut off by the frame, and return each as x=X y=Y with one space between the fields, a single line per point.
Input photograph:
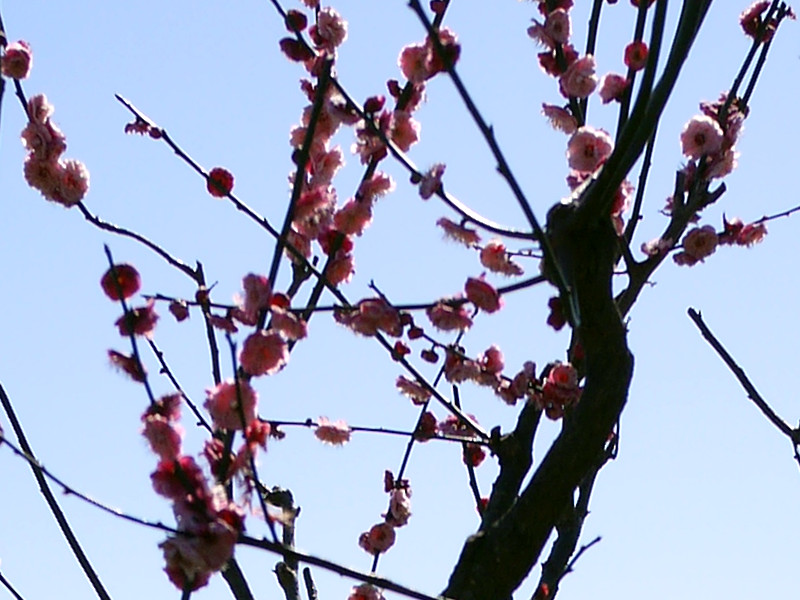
x=310 y=559
x=502 y=165
x=52 y=503
x=752 y=392
x=127 y=324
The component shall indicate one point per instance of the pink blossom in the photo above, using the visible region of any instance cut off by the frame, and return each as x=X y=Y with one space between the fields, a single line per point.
x=17 y=60
x=370 y=316
x=128 y=365
x=701 y=242
x=492 y=361
x=431 y=181
x=656 y=247
x=404 y=130
x=177 y=479
x=752 y=233
x=458 y=368
x=612 y=87
x=288 y=324
x=494 y=257
x=330 y=30
x=378 y=185
x=378 y=539
x=229 y=409
x=413 y=62
x=121 y=281
x=335 y=433
x=560 y=118
x=588 y=148
x=483 y=295
x=219 y=182
x=300 y=243
x=73 y=184
x=365 y=591
x=636 y=55
x=448 y=316
x=164 y=437
x=138 y=321
x=427 y=427
x=560 y=389
x=264 y=353
x=722 y=164
x=257 y=294
x=399 y=507
x=455 y=426
x=460 y=233
x=414 y=390
x=341 y=268
x=44 y=140
x=39 y=109
x=354 y=217
x=702 y=135
x=557 y=26
x=473 y=455
x=579 y=80
x=323 y=166
x=43 y=175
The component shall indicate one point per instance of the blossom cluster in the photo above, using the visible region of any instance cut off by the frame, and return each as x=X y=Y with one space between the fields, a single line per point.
x=701 y=242
x=65 y=182
x=381 y=536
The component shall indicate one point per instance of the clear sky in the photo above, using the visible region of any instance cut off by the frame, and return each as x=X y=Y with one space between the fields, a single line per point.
x=702 y=500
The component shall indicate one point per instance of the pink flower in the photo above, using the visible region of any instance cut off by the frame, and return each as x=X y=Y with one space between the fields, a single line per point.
x=557 y=26
x=453 y=425
x=126 y=283
x=447 y=316
x=288 y=324
x=612 y=87
x=588 y=148
x=257 y=294
x=702 y=135
x=371 y=315
x=458 y=369
x=560 y=389
x=164 y=437
x=722 y=164
x=39 y=109
x=354 y=217
x=399 y=507
x=378 y=185
x=330 y=30
x=636 y=55
x=579 y=80
x=656 y=246
x=560 y=118
x=73 y=184
x=378 y=539
x=228 y=409
x=219 y=182
x=700 y=242
x=752 y=233
x=264 y=353
x=128 y=365
x=138 y=321
x=431 y=181
x=494 y=257
x=473 y=455
x=416 y=391
x=17 y=60
x=427 y=427
x=404 y=130
x=44 y=140
x=43 y=175
x=365 y=591
x=492 y=361
x=483 y=295
x=333 y=433
x=413 y=62
x=459 y=233
x=177 y=479
x=341 y=268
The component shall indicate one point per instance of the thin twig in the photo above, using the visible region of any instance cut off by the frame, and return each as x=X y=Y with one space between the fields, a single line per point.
x=738 y=372
x=52 y=503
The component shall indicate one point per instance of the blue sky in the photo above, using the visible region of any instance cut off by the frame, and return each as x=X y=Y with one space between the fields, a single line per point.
x=703 y=494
